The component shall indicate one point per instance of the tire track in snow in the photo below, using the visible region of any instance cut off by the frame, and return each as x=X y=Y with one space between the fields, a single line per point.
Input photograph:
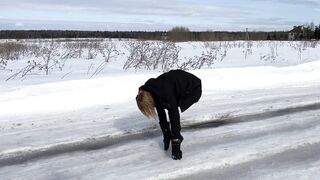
x=20 y=156
x=273 y=126
x=249 y=154
x=254 y=117
x=268 y=165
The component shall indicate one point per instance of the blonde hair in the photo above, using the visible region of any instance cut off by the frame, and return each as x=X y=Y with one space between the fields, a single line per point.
x=146 y=104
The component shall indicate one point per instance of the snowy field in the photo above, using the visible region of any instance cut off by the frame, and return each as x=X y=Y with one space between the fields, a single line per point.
x=258 y=117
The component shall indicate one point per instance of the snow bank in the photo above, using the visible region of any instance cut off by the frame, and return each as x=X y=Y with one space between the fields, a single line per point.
x=115 y=89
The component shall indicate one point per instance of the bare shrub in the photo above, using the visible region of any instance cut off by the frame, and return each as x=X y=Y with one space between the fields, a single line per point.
x=46 y=56
x=3 y=63
x=300 y=46
x=12 y=50
x=212 y=52
x=272 y=56
x=27 y=70
x=50 y=57
x=248 y=49
x=109 y=51
x=314 y=44
x=81 y=49
x=151 y=55
x=74 y=49
x=166 y=55
x=93 y=49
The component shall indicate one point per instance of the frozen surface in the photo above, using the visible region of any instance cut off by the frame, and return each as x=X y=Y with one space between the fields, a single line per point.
x=253 y=121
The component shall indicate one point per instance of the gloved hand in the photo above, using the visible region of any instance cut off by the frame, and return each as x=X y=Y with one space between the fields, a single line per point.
x=176 y=151
x=166 y=135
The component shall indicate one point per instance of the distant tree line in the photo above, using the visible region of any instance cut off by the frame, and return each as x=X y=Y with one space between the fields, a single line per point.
x=41 y=34
x=312 y=31
x=180 y=34
x=175 y=34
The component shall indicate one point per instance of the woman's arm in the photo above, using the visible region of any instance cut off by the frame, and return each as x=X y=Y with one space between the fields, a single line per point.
x=165 y=128
x=162 y=115
x=174 y=117
x=177 y=138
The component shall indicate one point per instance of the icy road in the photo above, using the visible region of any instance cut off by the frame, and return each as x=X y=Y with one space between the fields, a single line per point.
x=251 y=123
x=281 y=141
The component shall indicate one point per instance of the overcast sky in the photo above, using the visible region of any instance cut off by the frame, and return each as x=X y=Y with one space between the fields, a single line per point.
x=151 y=15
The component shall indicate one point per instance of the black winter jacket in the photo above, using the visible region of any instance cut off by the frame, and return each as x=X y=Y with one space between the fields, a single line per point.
x=171 y=90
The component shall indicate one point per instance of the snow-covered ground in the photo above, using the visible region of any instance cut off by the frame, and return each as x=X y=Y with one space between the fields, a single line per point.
x=256 y=119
